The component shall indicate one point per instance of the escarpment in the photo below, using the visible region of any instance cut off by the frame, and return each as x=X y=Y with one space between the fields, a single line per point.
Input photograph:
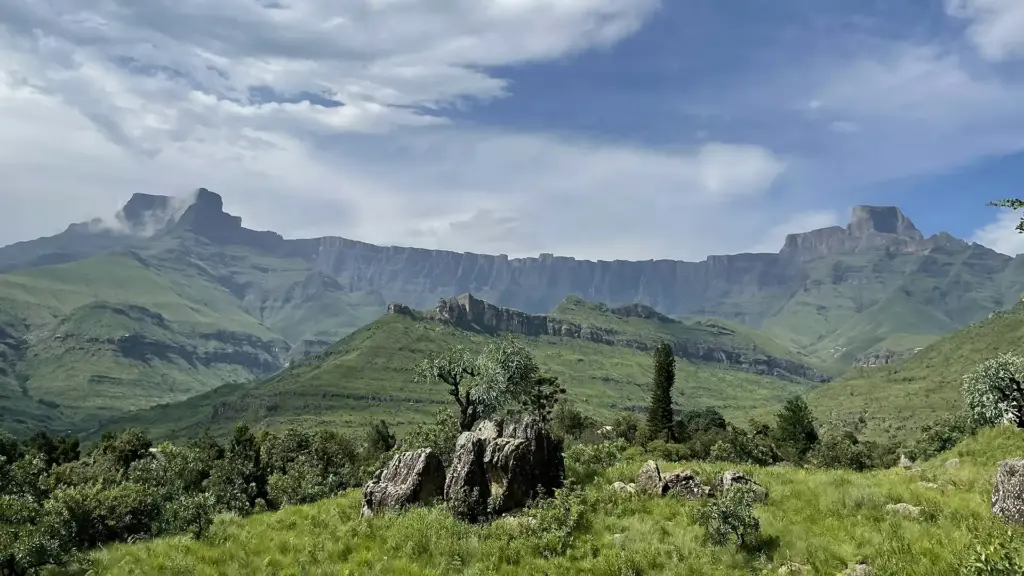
x=471 y=313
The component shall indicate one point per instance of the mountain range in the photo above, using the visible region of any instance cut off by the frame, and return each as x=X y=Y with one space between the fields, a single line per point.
x=172 y=298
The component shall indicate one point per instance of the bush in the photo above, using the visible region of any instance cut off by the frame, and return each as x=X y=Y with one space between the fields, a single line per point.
x=840 y=450
x=555 y=523
x=439 y=435
x=568 y=423
x=730 y=517
x=626 y=427
x=994 y=392
x=192 y=514
x=940 y=435
x=585 y=462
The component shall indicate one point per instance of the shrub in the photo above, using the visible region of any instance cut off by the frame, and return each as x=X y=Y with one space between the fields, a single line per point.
x=568 y=423
x=585 y=462
x=730 y=517
x=994 y=391
x=840 y=450
x=626 y=427
x=557 y=522
x=193 y=514
x=439 y=435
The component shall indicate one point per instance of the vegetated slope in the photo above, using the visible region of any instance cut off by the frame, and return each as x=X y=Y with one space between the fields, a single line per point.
x=369 y=374
x=159 y=338
x=823 y=520
x=898 y=398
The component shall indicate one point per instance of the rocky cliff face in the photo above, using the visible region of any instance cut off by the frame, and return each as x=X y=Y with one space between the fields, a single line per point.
x=469 y=312
x=884 y=357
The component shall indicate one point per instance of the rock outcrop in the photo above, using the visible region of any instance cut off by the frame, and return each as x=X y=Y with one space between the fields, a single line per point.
x=501 y=466
x=469 y=312
x=733 y=478
x=884 y=357
x=1008 y=491
x=685 y=484
x=410 y=478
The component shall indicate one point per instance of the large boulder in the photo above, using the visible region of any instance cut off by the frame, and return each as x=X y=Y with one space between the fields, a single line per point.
x=1008 y=492
x=501 y=466
x=410 y=478
x=649 y=481
x=467 y=488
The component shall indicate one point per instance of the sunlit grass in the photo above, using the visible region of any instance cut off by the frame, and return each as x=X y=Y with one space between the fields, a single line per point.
x=822 y=519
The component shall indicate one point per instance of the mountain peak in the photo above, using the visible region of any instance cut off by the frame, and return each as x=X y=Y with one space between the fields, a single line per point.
x=139 y=209
x=866 y=220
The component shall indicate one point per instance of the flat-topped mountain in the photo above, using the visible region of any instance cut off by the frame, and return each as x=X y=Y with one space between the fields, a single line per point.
x=830 y=296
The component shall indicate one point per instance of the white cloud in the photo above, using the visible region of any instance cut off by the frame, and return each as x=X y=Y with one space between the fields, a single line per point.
x=996 y=27
x=1001 y=235
x=918 y=109
x=104 y=98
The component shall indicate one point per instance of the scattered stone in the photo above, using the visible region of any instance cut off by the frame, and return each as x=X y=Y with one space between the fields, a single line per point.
x=794 y=569
x=932 y=485
x=686 y=484
x=951 y=464
x=410 y=478
x=904 y=509
x=623 y=488
x=905 y=462
x=859 y=570
x=1008 y=491
x=649 y=481
x=735 y=478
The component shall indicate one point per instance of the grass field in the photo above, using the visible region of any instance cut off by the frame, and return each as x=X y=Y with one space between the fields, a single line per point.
x=824 y=520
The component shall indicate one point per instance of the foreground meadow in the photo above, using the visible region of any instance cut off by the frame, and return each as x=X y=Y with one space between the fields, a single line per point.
x=823 y=521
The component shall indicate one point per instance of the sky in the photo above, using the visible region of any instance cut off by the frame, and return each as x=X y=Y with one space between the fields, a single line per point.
x=600 y=129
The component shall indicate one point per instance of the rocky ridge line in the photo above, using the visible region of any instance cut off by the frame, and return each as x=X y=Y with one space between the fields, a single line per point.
x=469 y=312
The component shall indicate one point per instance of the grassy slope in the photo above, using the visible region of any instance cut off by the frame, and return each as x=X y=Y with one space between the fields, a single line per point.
x=70 y=359
x=900 y=397
x=823 y=519
x=206 y=300
x=855 y=303
x=369 y=375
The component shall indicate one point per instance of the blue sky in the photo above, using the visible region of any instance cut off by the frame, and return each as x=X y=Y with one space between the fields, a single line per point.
x=592 y=128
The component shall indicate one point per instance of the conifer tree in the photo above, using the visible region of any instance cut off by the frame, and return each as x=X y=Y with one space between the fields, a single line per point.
x=795 y=433
x=659 y=414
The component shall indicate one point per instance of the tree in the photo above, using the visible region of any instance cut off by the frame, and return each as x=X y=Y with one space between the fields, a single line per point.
x=994 y=391
x=1012 y=204
x=540 y=398
x=659 y=413
x=482 y=384
x=795 y=433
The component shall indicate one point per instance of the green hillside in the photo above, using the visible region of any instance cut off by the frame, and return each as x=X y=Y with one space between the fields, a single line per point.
x=99 y=337
x=369 y=375
x=898 y=398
